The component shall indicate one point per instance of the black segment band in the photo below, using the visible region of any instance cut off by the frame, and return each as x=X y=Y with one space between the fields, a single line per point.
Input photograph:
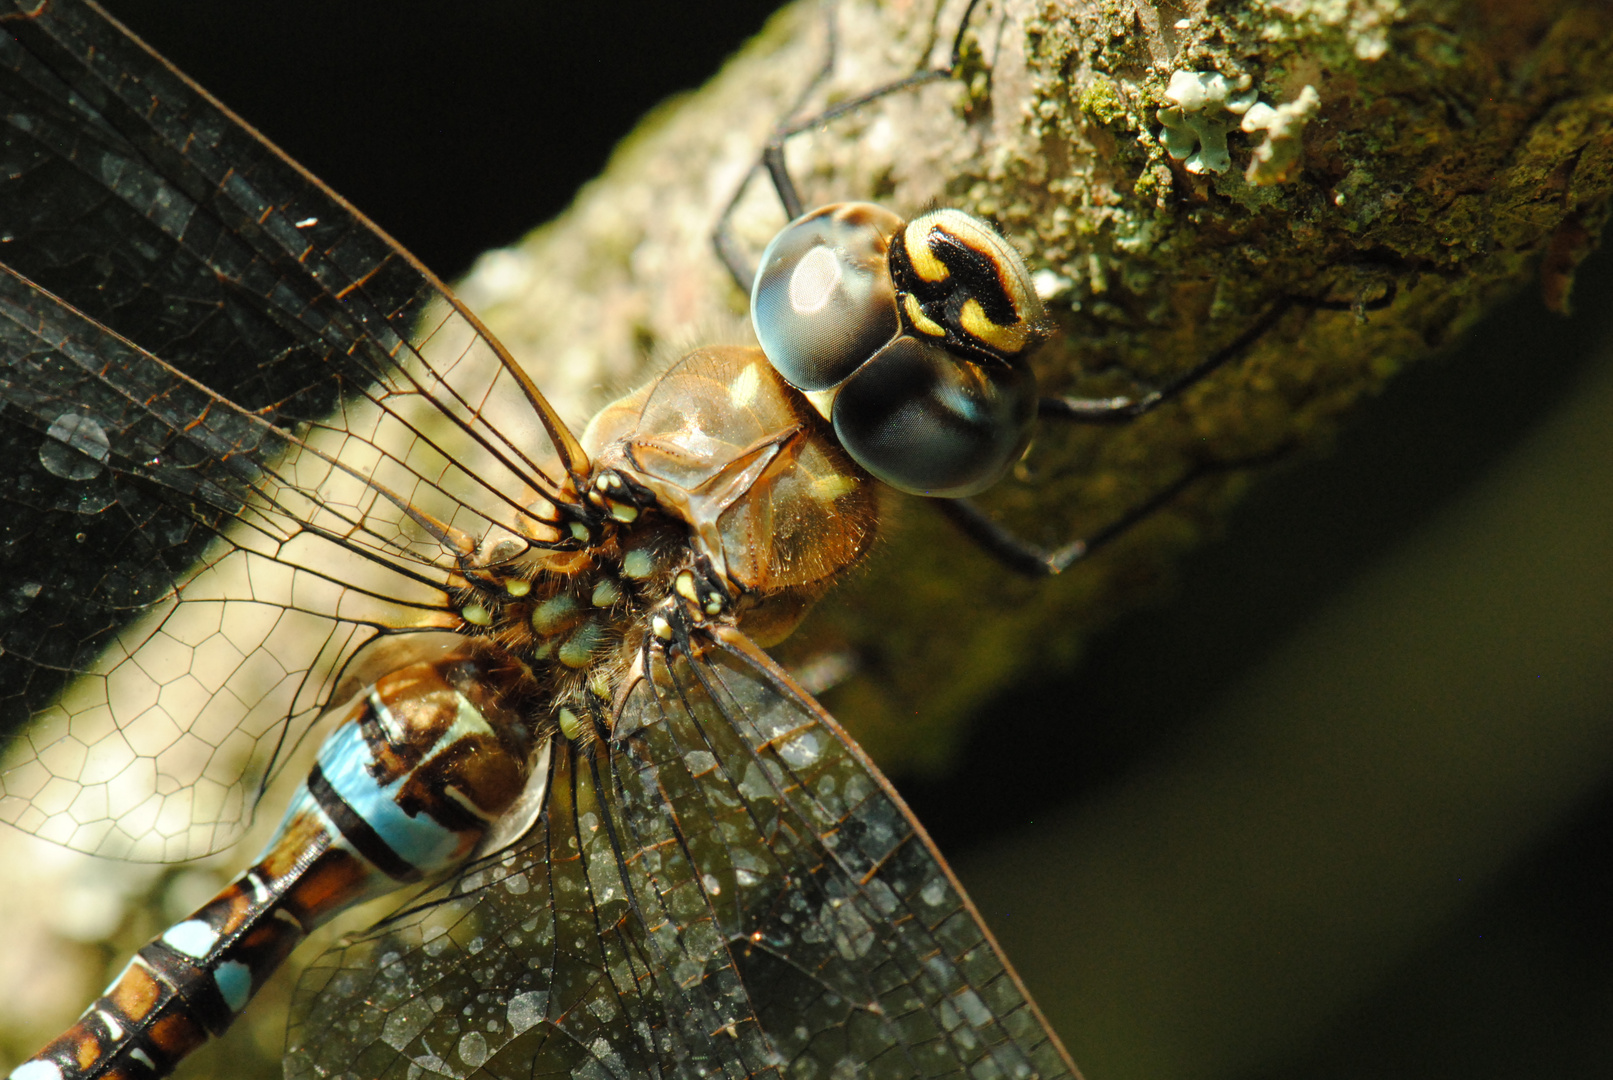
x=191 y=983
x=358 y=832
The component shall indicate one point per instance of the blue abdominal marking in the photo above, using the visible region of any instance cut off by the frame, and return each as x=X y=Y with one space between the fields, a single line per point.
x=234 y=982
x=419 y=841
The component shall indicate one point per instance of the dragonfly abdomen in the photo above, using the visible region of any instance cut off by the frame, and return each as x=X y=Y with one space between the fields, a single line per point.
x=406 y=787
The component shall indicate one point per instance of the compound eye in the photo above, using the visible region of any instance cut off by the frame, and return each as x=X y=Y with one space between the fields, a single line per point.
x=929 y=422
x=823 y=301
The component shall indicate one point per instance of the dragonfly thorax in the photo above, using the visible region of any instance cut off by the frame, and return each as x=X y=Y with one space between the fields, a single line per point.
x=742 y=462
x=717 y=490
x=574 y=616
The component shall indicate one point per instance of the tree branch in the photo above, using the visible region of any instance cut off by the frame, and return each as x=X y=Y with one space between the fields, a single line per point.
x=1446 y=156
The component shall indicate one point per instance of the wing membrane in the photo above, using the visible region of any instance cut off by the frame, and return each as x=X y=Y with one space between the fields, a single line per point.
x=195 y=674
x=532 y=965
x=768 y=907
x=326 y=434
x=855 y=945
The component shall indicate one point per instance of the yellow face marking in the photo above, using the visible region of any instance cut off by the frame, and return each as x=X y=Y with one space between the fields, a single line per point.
x=966 y=230
x=1005 y=339
x=623 y=512
x=921 y=322
x=827 y=489
x=742 y=391
x=579 y=531
x=518 y=586
x=1012 y=277
x=476 y=615
x=916 y=239
x=661 y=628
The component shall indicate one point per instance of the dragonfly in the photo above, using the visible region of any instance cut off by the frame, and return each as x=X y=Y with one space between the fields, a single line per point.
x=308 y=484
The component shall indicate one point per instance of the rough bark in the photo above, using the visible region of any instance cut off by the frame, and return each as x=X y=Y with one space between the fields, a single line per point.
x=1457 y=153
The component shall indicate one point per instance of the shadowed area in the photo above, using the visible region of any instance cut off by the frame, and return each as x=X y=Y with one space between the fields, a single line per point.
x=1340 y=811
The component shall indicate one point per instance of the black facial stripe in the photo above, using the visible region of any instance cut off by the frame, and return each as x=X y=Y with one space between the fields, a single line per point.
x=971 y=273
x=979 y=274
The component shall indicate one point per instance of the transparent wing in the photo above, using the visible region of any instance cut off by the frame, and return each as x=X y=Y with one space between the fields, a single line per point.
x=729 y=888
x=191 y=544
x=534 y=964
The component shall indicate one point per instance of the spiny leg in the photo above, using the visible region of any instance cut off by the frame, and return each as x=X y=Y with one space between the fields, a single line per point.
x=1034 y=560
x=1124 y=408
x=772 y=160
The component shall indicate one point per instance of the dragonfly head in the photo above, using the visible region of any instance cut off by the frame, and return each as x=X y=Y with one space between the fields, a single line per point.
x=911 y=338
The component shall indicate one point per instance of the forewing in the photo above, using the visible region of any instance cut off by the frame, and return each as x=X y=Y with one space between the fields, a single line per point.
x=376 y=433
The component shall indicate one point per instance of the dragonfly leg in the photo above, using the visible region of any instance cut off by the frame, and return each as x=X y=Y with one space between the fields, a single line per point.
x=1124 y=408
x=1032 y=559
x=772 y=161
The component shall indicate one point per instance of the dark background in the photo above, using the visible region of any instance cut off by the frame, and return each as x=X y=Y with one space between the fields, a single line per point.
x=455 y=127
x=460 y=128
